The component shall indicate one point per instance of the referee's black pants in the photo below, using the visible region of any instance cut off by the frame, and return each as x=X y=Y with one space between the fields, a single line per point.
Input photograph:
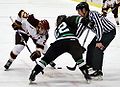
x=94 y=56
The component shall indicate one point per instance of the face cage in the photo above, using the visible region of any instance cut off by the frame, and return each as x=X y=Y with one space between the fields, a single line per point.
x=41 y=31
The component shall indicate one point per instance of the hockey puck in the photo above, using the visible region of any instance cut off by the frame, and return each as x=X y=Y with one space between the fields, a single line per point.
x=59 y=67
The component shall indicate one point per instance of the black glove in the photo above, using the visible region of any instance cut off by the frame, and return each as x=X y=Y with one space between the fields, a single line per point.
x=85 y=21
x=36 y=54
x=104 y=14
x=118 y=4
x=91 y=24
x=83 y=49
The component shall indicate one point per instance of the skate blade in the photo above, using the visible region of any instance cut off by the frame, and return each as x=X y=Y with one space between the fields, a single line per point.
x=98 y=78
x=31 y=82
x=52 y=68
x=6 y=69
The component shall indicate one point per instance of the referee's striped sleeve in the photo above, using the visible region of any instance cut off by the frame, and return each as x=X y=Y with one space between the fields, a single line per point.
x=99 y=27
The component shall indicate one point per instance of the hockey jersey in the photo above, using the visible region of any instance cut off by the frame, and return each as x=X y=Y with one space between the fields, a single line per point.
x=110 y=3
x=68 y=28
x=29 y=28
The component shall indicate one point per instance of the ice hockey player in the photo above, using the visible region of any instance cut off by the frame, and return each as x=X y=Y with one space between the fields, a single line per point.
x=105 y=32
x=66 y=41
x=113 y=4
x=27 y=26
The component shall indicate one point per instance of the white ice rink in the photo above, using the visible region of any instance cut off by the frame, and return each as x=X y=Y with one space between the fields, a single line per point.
x=20 y=70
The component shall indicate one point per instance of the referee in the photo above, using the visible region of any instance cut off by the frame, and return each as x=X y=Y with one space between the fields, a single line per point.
x=105 y=32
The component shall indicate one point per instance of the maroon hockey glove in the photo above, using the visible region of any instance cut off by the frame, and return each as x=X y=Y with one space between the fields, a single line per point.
x=16 y=25
x=36 y=54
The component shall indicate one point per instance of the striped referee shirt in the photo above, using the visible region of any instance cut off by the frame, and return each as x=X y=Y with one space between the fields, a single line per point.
x=101 y=25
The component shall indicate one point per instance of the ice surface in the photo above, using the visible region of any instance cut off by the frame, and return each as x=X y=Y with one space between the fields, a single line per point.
x=19 y=72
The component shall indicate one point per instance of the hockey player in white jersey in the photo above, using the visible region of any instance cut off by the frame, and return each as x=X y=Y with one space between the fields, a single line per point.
x=27 y=26
x=113 y=4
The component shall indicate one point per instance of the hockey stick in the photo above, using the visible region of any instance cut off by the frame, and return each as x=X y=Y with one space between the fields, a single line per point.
x=73 y=68
x=23 y=39
x=25 y=44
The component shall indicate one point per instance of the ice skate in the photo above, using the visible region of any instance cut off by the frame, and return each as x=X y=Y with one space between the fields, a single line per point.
x=85 y=73
x=32 y=76
x=97 y=75
x=7 y=65
x=37 y=69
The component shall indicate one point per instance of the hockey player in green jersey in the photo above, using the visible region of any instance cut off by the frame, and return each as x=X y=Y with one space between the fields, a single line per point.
x=66 y=41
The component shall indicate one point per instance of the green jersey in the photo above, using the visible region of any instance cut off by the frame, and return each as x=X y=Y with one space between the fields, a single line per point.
x=68 y=28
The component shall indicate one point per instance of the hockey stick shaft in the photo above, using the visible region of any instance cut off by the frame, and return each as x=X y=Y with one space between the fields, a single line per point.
x=85 y=38
x=73 y=68
x=11 y=19
x=26 y=44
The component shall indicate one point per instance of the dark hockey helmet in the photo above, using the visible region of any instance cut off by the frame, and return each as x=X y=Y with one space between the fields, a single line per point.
x=60 y=19
x=82 y=5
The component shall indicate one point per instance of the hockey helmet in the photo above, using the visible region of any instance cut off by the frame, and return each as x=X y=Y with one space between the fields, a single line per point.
x=60 y=19
x=43 y=26
x=82 y=5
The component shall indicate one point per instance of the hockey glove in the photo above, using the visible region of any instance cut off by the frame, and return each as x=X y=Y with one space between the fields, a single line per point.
x=104 y=14
x=36 y=54
x=83 y=49
x=91 y=24
x=16 y=25
x=85 y=21
x=60 y=19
